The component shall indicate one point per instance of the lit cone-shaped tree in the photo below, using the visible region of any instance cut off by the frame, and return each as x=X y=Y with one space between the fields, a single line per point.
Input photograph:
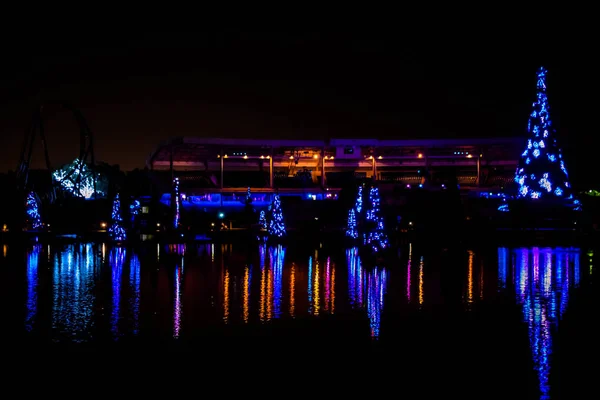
x=276 y=224
x=33 y=211
x=358 y=203
x=262 y=220
x=351 y=230
x=542 y=173
x=116 y=230
x=374 y=232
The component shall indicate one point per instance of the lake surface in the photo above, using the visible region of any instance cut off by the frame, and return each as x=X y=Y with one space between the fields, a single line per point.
x=488 y=301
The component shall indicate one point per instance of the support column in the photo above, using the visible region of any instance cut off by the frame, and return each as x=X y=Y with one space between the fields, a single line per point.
x=323 y=180
x=427 y=167
x=374 y=162
x=222 y=168
x=171 y=162
x=478 y=168
x=271 y=169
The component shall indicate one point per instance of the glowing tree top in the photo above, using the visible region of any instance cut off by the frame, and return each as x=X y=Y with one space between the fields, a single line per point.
x=542 y=172
x=276 y=224
x=116 y=230
x=33 y=211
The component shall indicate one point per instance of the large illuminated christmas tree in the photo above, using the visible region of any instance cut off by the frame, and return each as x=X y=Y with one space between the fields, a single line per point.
x=276 y=224
x=542 y=172
x=33 y=211
x=116 y=230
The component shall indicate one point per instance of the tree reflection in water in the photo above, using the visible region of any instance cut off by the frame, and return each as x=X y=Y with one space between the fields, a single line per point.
x=541 y=280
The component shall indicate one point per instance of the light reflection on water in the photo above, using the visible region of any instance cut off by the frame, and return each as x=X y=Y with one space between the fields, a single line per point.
x=541 y=280
x=33 y=259
x=74 y=274
x=270 y=282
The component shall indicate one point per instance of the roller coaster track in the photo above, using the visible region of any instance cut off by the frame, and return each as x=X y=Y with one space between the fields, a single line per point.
x=86 y=150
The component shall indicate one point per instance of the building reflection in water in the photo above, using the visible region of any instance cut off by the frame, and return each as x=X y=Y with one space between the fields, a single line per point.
x=370 y=285
x=116 y=260
x=541 y=280
x=73 y=276
x=33 y=258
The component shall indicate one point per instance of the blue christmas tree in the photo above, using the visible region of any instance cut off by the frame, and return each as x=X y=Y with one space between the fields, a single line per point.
x=374 y=234
x=177 y=204
x=351 y=230
x=33 y=211
x=134 y=210
x=542 y=172
x=262 y=220
x=116 y=230
x=248 y=199
x=276 y=224
x=359 y=200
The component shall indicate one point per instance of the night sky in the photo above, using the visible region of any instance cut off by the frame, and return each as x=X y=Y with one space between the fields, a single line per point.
x=137 y=90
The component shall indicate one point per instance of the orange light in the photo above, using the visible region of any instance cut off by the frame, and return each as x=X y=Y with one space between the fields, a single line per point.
x=245 y=157
x=420 y=155
x=291 y=157
x=316 y=156
x=380 y=157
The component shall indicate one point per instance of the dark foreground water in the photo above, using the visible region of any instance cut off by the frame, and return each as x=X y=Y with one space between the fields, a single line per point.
x=482 y=323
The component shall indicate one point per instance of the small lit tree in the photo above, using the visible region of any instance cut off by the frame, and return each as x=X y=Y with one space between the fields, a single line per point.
x=134 y=210
x=262 y=220
x=33 y=211
x=358 y=204
x=276 y=224
x=248 y=199
x=375 y=232
x=351 y=230
x=116 y=230
x=176 y=203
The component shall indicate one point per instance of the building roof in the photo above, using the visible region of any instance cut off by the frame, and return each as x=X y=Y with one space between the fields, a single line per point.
x=194 y=149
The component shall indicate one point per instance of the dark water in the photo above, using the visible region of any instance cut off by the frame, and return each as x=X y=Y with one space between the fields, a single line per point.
x=504 y=307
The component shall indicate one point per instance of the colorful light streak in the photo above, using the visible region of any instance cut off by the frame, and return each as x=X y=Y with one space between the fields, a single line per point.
x=134 y=297
x=177 y=311
x=263 y=283
x=408 y=273
x=421 y=281
x=246 y=299
x=116 y=259
x=293 y=291
x=226 y=297
x=33 y=259
x=72 y=294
